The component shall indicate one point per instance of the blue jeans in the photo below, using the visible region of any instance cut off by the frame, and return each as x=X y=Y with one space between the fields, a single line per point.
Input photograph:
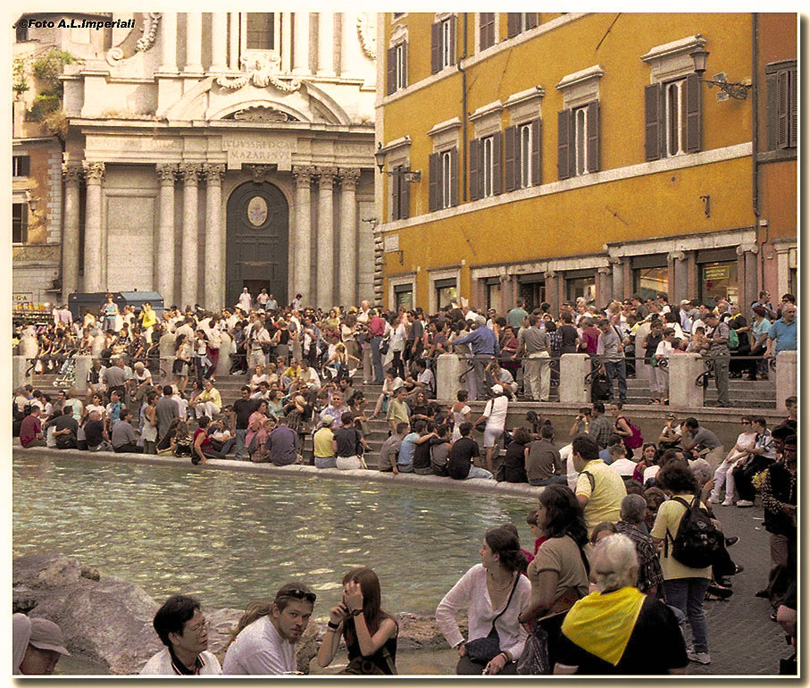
x=240 y=445
x=476 y=472
x=687 y=594
x=553 y=480
x=614 y=369
x=376 y=359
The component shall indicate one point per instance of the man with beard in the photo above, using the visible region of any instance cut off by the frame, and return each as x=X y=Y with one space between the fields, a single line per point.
x=267 y=634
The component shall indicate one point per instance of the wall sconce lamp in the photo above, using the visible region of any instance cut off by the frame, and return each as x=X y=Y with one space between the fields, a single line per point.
x=410 y=175
x=737 y=90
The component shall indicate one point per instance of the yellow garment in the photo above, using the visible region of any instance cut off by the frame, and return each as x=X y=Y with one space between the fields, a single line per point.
x=601 y=623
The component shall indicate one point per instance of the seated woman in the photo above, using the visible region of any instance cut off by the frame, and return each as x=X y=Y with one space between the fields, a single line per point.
x=492 y=593
x=391 y=382
x=369 y=632
x=619 y=629
x=514 y=463
x=559 y=571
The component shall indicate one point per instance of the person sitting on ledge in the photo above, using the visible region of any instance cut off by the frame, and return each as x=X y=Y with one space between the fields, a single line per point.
x=183 y=629
x=123 y=434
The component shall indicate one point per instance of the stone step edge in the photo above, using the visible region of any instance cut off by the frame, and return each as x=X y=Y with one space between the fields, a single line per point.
x=426 y=481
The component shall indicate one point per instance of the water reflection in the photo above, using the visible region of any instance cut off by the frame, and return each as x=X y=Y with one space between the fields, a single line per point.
x=232 y=537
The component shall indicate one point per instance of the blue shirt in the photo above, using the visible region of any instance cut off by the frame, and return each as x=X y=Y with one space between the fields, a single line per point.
x=784 y=334
x=407 y=449
x=482 y=341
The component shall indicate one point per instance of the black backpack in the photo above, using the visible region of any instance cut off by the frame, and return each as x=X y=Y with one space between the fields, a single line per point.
x=698 y=541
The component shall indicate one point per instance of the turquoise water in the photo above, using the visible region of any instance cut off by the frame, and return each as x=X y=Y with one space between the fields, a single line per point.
x=232 y=537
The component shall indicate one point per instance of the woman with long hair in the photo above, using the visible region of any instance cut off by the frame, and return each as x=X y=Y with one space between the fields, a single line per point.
x=649 y=457
x=149 y=431
x=370 y=633
x=182 y=360
x=559 y=572
x=492 y=593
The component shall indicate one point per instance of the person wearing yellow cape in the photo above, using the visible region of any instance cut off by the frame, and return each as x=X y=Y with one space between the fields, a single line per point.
x=618 y=629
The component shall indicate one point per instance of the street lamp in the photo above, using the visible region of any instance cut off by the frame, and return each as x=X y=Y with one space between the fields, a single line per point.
x=410 y=175
x=737 y=90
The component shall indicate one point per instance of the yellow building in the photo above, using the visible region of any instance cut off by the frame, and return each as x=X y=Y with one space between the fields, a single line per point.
x=552 y=156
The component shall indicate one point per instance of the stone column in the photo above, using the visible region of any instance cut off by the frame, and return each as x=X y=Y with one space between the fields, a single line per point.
x=679 y=289
x=188 y=270
x=449 y=368
x=605 y=284
x=574 y=369
x=72 y=174
x=552 y=291
x=300 y=64
x=302 y=230
x=348 y=237
x=94 y=175
x=348 y=47
x=219 y=41
x=83 y=366
x=326 y=237
x=214 y=237
x=326 y=44
x=168 y=42
x=286 y=42
x=193 y=43
x=747 y=277
x=684 y=369
x=617 y=273
x=233 y=49
x=787 y=378
x=164 y=277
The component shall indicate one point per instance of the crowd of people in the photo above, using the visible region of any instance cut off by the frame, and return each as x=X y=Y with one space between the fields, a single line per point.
x=605 y=483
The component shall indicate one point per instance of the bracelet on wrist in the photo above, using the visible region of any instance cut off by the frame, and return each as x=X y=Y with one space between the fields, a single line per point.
x=357 y=612
x=331 y=625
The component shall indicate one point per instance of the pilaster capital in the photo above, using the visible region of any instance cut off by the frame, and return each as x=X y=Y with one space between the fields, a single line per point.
x=303 y=175
x=93 y=172
x=167 y=173
x=677 y=255
x=190 y=172
x=747 y=248
x=214 y=174
x=72 y=173
x=615 y=260
x=550 y=274
x=349 y=177
x=326 y=177
x=605 y=270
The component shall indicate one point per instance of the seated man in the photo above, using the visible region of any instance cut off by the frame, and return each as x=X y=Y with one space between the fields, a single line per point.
x=460 y=464
x=31 y=429
x=66 y=430
x=283 y=444
x=390 y=449
x=37 y=645
x=267 y=634
x=182 y=628
x=123 y=435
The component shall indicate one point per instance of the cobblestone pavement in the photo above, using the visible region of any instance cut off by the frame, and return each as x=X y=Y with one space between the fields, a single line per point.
x=742 y=638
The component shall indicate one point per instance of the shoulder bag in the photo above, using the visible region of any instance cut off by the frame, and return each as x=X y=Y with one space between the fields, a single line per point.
x=483 y=650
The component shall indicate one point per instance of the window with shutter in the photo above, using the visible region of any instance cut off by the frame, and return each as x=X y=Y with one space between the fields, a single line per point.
x=564 y=148
x=19 y=223
x=475 y=164
x=435 y=48
x=396 y=186
x=453 y=175
x=487 y=155
x=401 y=66
x=592 y=153
x=404 y=199
x=518 y=22
x=652 y=121
x=510 y=158
x=782 y=105
x=391 y=71
x=692 y=114
x=497 y=155
x=512 y=24
x=486 y=30
x=442 y=44
x=536 y=169
x=434 y=179
x=20 y=166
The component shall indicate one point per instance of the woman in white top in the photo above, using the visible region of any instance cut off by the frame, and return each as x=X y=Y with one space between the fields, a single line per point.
x=664 y=351
x=495 y=417
x=398 y=339
x=492 y=594
x=461 y=412
x=258 y=377
x=391 y=382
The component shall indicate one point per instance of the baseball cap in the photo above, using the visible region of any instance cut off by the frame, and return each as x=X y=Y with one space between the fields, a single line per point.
x=46 y=635
x=497 y=389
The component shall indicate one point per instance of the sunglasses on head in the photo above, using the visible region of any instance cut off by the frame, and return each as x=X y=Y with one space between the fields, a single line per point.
x=298 y=594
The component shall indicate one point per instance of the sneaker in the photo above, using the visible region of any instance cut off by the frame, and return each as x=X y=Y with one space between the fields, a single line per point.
x=733 y=540
x=699 y=657
x=743 y=503
x=728 y=502
x=714 y=500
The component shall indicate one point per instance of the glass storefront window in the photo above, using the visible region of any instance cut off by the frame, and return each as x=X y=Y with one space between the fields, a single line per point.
x=580 y=286
x=494 y=296
x=649 y=282
x=404 y=299
x=445 y=296
x=533 y=293
x=718 y=280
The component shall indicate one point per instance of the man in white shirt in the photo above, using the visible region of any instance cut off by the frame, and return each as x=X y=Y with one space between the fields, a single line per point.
x=183 y=629
x=266 y=643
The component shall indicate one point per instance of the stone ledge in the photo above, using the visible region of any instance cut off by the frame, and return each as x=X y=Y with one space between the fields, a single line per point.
x=426 y=481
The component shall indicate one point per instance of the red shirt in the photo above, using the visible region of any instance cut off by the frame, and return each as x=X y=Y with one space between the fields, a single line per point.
x=30 y=428
x=376 y=327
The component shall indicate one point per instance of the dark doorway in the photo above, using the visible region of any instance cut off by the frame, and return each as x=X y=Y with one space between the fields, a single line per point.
x=258 y=240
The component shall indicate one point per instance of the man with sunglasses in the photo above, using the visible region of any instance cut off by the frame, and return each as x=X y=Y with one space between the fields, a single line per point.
x=266 y=642
x=183 y=629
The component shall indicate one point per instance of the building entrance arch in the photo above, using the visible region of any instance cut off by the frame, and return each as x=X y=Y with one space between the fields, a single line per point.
x=257 y=246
